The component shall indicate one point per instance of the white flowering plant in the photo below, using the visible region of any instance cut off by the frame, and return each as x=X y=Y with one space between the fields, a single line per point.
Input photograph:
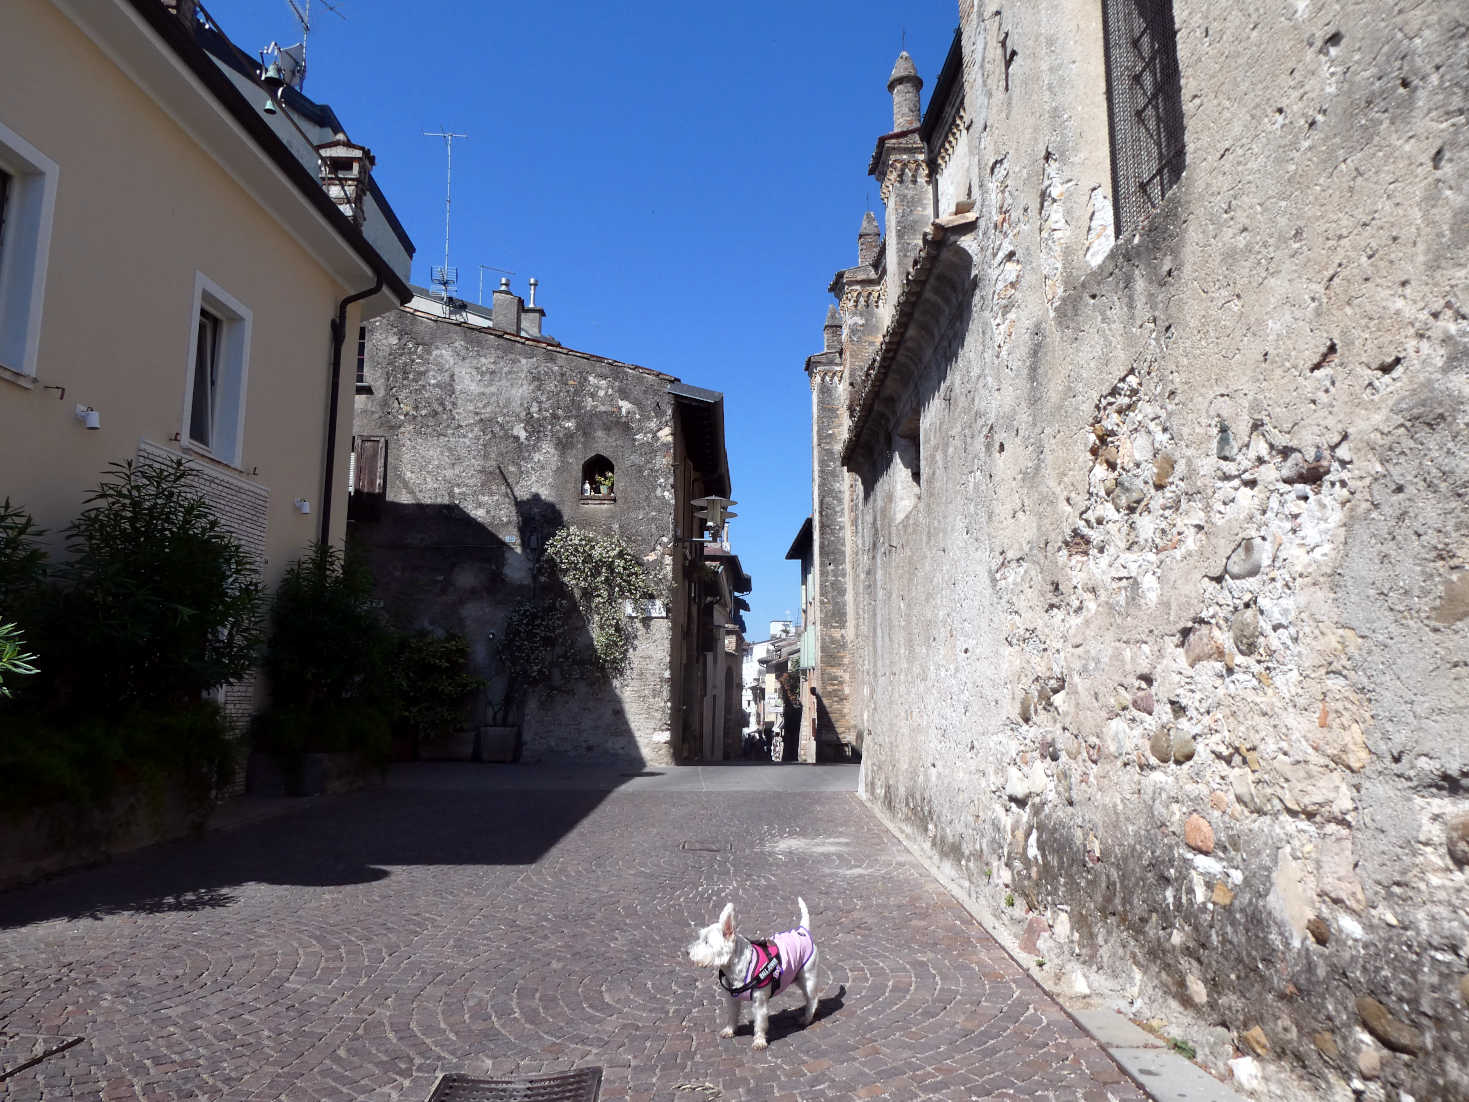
x=575 y=627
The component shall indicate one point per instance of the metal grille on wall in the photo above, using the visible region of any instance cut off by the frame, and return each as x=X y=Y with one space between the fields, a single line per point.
x=1144 y=107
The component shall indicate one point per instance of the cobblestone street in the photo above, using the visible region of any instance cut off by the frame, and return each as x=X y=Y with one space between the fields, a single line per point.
x=503 y=921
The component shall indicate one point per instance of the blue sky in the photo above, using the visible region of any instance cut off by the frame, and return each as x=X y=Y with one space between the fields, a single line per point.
x=683 y=179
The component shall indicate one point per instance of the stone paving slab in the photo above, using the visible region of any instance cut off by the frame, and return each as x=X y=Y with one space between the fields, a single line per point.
x=367 y=944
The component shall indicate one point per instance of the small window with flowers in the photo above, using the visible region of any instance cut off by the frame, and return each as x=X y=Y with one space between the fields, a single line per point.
x=598 y=481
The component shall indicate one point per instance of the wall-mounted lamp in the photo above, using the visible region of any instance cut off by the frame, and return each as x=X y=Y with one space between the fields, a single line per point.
x=89 y=416
x=303 y=506
x=712 y=510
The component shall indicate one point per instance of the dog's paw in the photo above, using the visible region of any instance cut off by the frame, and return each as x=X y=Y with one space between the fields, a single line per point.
x=727 y=1031
x=759 y=1043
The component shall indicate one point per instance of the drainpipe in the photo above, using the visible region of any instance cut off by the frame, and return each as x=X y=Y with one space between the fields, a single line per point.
x=339 y=337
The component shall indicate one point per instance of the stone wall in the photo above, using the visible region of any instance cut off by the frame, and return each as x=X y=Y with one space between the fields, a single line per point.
x=487 y=433
x=830 y=718
x=1169 y=653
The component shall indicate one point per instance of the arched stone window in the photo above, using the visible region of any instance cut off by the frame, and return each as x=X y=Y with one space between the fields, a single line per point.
x=598 y=477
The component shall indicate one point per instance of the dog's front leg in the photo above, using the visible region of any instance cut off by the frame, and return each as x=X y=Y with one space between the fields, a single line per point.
x=730 y=1014
x=760 y=1003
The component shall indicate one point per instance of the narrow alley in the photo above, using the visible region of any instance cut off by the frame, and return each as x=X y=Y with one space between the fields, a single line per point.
x=509 y=922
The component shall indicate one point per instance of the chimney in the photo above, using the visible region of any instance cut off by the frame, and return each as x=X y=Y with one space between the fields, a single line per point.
x=506 y=308
x=905 y=83
x=859 y=293
x=345 y=169
x=901 y=168
x=831 y=331
x=869 y=240
x=532 y=316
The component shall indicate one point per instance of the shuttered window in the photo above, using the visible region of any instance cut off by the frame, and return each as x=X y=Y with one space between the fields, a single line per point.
x=371 y=465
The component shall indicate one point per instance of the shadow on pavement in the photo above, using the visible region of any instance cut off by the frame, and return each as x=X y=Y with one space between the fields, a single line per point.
x=787 y=1021
x=440 y=569
x=352 y=839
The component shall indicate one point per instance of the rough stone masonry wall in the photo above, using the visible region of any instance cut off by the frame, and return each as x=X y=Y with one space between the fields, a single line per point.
x=829 y=552
x=487 y=437
x=1170 y=662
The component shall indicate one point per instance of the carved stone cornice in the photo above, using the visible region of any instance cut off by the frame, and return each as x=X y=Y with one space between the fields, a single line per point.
x=900 y=158
x=951 y=140
x=903 y=169
x=860 y=276
x=824 y=366
x=857 y=297
x=936 y=285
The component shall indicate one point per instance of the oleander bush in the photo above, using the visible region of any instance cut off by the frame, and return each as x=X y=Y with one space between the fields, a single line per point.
x=432 y=686
x=156 y=607
x=342 y=678
x=162 y=605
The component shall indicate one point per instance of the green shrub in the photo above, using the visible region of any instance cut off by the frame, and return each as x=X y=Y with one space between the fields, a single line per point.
x=431 y=685
x=22 y=561
x=84 y=760
x=22 y=580
x=290 y=733
x=158 y=606
x=162 y=605
x=13 y=659
x=343 y=679
x=329 y=643
x=329 y=662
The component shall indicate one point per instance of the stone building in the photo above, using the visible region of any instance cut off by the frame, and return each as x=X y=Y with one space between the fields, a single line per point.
x=719 y=665
x=477 y=438
x=800 y=552
x=1154 y=529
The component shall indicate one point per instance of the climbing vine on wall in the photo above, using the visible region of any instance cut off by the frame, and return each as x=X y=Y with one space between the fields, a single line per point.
x=576 y=626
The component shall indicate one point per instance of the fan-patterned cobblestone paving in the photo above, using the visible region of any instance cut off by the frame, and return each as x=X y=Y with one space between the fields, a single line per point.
x=361 y=946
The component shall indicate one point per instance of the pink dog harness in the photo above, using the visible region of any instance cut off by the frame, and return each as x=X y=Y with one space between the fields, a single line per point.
x=774 y=963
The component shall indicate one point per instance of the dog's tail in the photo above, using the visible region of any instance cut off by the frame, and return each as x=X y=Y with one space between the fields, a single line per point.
x=805 y=915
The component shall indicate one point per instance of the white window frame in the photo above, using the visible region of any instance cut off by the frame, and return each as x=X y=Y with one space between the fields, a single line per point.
x=227 y=435
x=25 y=251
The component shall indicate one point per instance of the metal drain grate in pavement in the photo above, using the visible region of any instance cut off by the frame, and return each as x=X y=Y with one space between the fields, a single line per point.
x=706 y=847
x=581 y=1085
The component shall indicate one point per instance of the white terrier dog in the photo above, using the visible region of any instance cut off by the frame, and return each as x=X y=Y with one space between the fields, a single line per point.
x=756 y=970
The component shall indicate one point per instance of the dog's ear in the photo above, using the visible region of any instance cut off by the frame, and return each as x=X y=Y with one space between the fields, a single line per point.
x=726 y=920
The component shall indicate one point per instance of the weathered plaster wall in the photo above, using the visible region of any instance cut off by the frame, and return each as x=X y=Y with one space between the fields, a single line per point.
x=487 y=436
x=1169 y=660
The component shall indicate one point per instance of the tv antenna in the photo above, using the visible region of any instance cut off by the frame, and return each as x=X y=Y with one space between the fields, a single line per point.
x=446 y=278
x=302 y=12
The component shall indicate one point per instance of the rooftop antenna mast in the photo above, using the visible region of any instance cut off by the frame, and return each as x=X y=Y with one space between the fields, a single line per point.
x=446 y=278
x=302 y=12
